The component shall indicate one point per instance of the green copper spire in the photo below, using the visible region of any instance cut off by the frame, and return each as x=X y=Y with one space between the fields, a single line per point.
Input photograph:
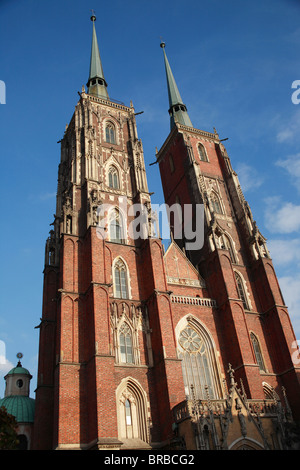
x=178 y=110
x=96 y=84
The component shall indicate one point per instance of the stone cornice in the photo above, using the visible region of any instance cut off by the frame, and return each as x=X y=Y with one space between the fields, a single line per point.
x=111 y=103
x=181 y=129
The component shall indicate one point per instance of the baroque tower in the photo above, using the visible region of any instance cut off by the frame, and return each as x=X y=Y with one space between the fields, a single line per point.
x=142 y=347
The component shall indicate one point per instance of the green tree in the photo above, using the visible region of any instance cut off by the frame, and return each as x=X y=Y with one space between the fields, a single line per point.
x=8 y=433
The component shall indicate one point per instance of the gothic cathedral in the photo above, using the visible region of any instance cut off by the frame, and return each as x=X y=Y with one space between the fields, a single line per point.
x=143 y=347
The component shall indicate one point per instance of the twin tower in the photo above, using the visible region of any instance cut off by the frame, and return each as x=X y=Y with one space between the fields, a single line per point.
x=147 y=348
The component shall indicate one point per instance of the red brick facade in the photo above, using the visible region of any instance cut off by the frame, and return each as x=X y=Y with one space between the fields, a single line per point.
x=265 y=314
x=101 y=351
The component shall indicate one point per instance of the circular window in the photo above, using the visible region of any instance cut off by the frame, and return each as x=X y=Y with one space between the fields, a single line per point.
x=20 y=383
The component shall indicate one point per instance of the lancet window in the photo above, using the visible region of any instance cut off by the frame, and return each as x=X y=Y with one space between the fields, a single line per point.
x=113 y=178
x=120 y=280
x=202 y=153
x=110 y=133
x=257 y=352
x=116 y=228
x=125 y=339
x=132 y=405
x=215 y=203
x=241 y=290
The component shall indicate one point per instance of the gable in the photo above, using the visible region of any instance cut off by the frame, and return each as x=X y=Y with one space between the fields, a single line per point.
x=179 y=269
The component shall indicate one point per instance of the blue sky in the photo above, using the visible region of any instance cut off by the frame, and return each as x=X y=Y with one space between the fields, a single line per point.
x=234 y=63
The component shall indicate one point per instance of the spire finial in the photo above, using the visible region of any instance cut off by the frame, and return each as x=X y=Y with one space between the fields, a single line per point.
x=93 y=17
x=19 y=356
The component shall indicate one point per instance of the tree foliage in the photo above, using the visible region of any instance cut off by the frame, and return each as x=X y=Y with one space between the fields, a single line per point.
x=8 y=433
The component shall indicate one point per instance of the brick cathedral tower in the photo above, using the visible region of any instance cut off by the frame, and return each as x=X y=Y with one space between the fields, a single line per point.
x=142 y=347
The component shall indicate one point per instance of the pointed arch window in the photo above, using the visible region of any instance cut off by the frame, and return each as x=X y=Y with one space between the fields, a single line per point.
x=113 y=178
x=257 y=352
x=110 y=133
x=116 y=228
x=120 y=280
x=215 y=203
x=125 y=338
x=51 y=260
x=132 y=411
x=241 y=290
x=269 y=392
x=198 y=366
x=202 y=153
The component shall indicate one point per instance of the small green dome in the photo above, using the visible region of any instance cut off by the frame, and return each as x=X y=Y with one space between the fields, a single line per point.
x=19 y=370
x=19 y=406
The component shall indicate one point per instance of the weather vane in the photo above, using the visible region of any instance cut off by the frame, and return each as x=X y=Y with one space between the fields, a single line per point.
x=19 y=356
x=93 y=17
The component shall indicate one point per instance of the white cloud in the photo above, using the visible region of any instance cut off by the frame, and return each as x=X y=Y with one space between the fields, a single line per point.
x=5 y=366
x=285 y=134
x=290 y=130
x=281 y=217
x=249 y=177
x=285 y=252
x=286 y=257
x=292 y=165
